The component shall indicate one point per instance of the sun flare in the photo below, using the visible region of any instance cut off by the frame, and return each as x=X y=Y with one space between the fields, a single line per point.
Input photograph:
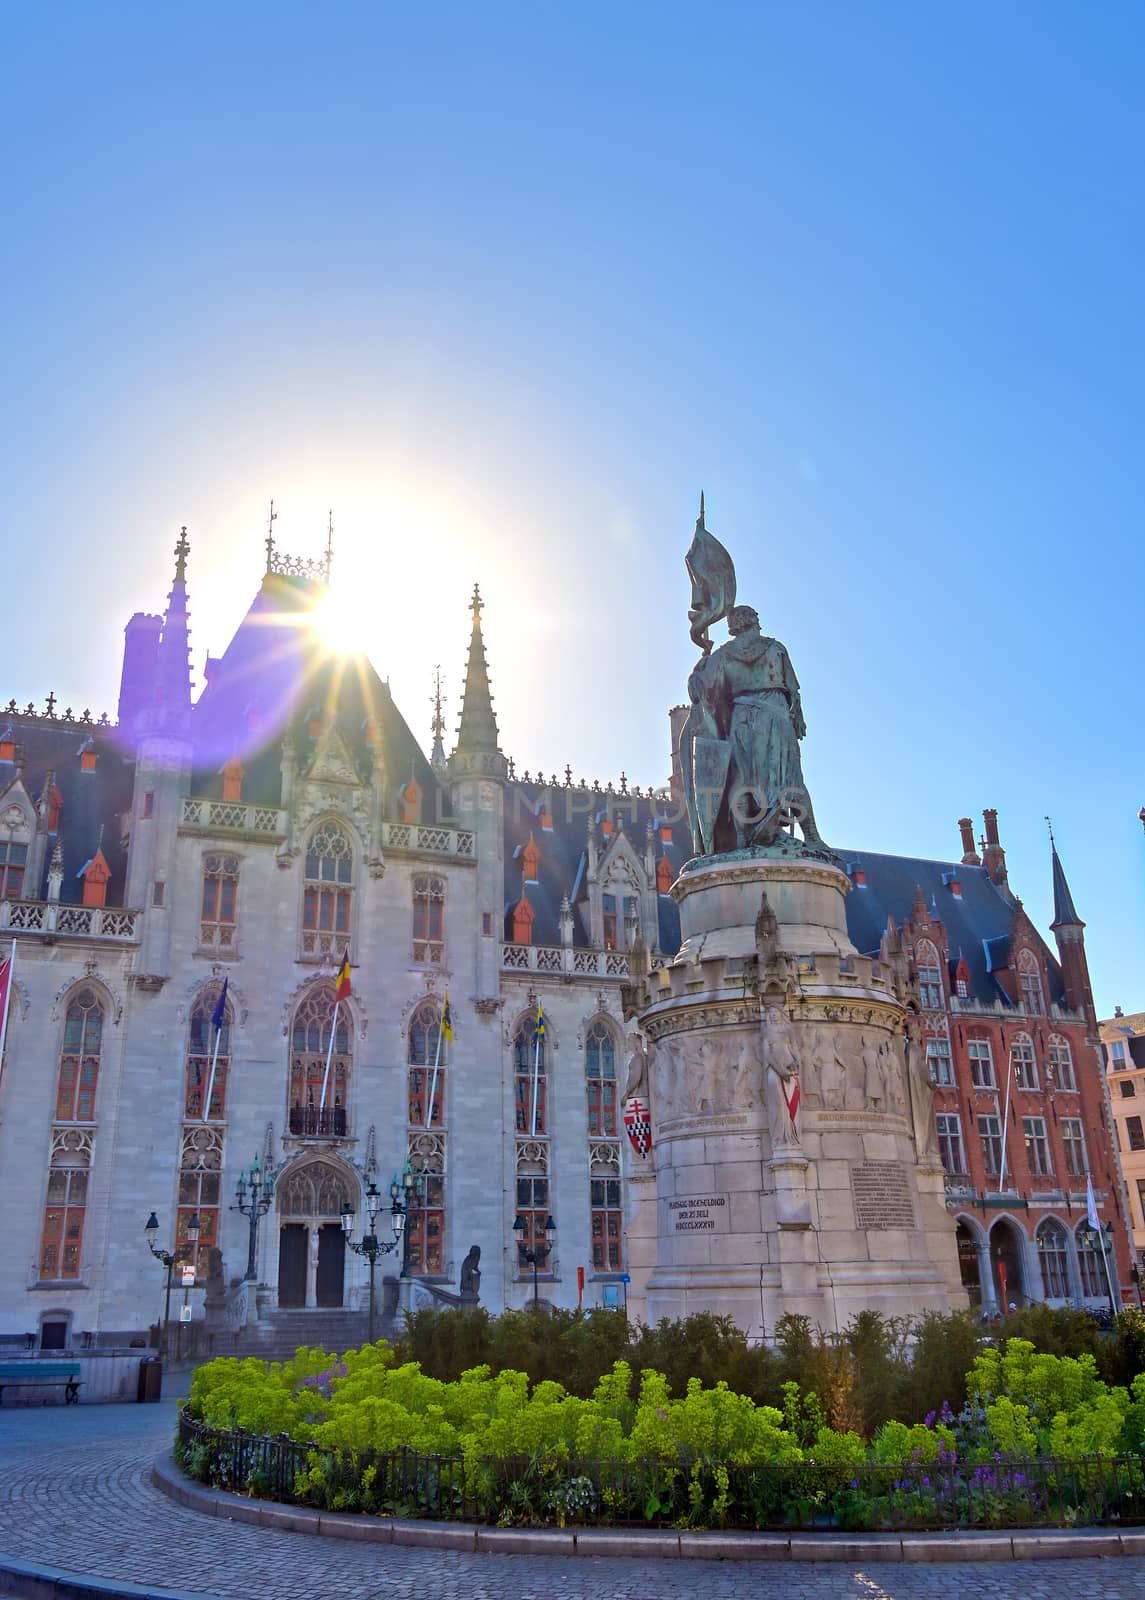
x=344 y=621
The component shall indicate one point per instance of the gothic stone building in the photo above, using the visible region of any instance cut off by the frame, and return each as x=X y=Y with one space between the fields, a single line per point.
x=250 y=836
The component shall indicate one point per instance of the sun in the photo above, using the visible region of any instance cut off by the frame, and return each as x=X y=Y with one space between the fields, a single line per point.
x=344 y=621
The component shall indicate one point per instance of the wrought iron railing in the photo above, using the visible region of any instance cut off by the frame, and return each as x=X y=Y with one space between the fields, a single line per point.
x=774 y=1496
x=308 y=1122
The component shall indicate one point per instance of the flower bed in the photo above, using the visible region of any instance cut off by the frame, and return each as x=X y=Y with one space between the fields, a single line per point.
x=1042 y=1441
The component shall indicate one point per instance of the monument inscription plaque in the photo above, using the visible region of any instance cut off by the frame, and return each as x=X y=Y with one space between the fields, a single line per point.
x=704 y=1213
x=881 y=1191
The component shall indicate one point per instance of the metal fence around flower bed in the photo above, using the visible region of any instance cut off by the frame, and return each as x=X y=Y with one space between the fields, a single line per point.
x=805 y=1496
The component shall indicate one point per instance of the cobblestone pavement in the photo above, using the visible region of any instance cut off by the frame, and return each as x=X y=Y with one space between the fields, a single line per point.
x=74 y=1493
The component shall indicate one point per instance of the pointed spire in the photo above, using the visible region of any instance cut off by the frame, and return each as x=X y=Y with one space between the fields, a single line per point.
x=172 y=693
x=477 y=730
x=329 y=544
x=1065 y=913
x=700 y=518
x=270 y=538
x=437 y=726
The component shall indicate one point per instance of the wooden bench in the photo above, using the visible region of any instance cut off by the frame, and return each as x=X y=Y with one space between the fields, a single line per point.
x=41 y=1374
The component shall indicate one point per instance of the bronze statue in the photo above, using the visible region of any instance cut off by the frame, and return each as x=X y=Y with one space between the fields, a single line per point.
x=739 y=749
x=471 y=1274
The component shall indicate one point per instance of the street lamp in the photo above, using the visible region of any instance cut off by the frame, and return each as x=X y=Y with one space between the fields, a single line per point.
x=254 y=1208
x=168 y=1258
x=537 y=1253
x=370 y=1245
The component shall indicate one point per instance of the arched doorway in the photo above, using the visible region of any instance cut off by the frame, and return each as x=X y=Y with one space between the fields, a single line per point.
x=1006 y=1258
x=311 y=1244
x=969 y=1262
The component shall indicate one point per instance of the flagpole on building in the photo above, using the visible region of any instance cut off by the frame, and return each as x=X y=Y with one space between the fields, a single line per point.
x=7 y=1002
x=1093 y=1217
x=536 y=1063
x=1005 y=1125
x=211 y=1079
x=329 y=1055
x=436 y=1064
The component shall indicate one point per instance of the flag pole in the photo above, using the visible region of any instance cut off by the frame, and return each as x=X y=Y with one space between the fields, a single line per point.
x=536 y=1063
x=433 y=1080
x=1005 y=1125
x=211 y=1079
x=7 y=1002
x=329 y=1054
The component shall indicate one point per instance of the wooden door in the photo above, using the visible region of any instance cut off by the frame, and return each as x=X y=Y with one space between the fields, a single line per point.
x=292 y=1264
x=331 y=1264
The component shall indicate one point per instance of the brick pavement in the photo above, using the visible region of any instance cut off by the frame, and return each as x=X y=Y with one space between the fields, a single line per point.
x=74 y=1494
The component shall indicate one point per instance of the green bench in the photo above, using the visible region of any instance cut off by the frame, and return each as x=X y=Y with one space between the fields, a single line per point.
x=41 y=1374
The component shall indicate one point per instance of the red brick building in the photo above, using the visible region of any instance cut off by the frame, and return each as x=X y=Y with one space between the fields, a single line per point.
x=1021 y=1105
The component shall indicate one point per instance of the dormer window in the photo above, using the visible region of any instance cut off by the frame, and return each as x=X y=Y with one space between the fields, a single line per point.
x=1030 y=984
x=13 y=864
x=665 y=875
x=930 y=987
x=531 y=861
x=522 y=920
x=411 y=801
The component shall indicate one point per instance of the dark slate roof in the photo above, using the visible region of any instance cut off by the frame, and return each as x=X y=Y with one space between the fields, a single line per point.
x=274 y=673
x=90 y=801
x=563 y=851
x=1064 y=911
x=978 y=924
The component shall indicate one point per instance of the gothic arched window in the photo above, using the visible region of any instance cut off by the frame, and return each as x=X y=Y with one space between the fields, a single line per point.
x=428 y=912
x=201 y=1043
x=329 y=874
x=1023 y=1062
x=1053 y=1253
x=1089 y=1262
x=529 y=1079
x=600 y=1078
x=1059 y=1063
x=79 y=1058
x=309 y=1052
x=425 y=1048
x=1030 y=984
x=930 y=987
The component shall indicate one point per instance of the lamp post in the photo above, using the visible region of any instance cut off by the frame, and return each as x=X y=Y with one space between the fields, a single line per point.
x=536 y=1254
x=168 y=1258
x=254 y=1207
x=370 y=1245
x=406 y=1190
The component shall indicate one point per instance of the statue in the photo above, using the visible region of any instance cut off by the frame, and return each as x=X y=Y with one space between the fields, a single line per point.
x=636 y=1082
x=781 y=1074
x=471 y=1274
x=739 y=749
x=919 y=1089
x=874 y=1074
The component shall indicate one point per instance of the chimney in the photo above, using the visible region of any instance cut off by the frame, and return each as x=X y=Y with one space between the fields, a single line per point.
x=677 y=717
x=970 y=856
x=993 y=856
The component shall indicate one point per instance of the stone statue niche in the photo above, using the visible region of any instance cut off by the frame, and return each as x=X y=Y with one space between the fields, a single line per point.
x=739 y=748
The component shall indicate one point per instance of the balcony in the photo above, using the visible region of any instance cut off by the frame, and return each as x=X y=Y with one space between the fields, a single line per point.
x=558 y=960
x=308 y=1122
x=56 y=921
x=232 y=817
x=411 y=838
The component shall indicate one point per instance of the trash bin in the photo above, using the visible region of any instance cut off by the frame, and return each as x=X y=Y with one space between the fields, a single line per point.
x=150 y=1379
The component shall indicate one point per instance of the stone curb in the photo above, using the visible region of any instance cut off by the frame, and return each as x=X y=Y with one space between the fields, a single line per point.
x=1047 y=1545
x=32 y=1582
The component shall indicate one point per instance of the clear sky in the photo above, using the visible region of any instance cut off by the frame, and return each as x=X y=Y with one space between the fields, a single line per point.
x=506 y=285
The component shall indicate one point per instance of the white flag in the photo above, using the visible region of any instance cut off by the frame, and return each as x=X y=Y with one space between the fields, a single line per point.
x=1091 y=1204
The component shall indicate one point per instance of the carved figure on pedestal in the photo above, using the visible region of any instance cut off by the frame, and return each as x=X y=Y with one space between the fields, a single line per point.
x=896 y=1101
x=471 y=1274
x=780 y=1059
x=920 y=1089
x=874 y=1075
x=834 y=1070
x=668 y=1071
x=636 y=1071
x=739 y=749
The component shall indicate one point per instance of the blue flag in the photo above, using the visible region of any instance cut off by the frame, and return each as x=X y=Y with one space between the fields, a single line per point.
x=219 y=1014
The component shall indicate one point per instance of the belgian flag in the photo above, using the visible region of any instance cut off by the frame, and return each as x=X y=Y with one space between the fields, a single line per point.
x=342 y=989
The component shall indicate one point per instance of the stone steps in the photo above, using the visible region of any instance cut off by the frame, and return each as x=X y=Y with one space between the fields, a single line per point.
x=281 y=1333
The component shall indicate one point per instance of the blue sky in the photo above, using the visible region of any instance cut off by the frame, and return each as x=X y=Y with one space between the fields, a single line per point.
x=506 y=285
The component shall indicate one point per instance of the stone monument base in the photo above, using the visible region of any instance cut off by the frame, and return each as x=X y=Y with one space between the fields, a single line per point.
x=755 y=1215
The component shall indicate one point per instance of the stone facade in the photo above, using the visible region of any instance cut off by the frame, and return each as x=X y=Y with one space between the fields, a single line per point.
x=286 y=816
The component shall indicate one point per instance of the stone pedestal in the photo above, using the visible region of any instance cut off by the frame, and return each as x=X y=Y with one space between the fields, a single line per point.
x=751 y=1219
